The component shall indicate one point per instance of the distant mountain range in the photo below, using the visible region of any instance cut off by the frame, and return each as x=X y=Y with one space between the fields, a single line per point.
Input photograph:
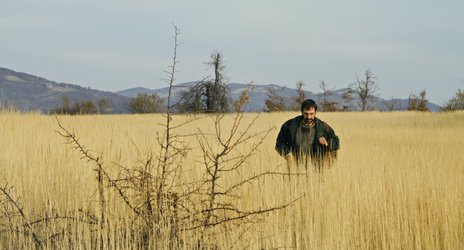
x=30 y=93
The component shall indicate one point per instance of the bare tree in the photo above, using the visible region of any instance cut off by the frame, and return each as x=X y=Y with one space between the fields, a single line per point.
x=348 y=98
x=325 y=97
x=390 y=105
x=365 y=89
x=148 y=188
x=221 y=204
x=300 y=95
x=275 y=101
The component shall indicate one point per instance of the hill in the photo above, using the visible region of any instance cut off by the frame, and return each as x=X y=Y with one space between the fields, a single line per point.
x=31 y=93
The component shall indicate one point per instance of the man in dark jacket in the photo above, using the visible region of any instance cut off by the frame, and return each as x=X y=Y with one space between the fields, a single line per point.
x=308 y=139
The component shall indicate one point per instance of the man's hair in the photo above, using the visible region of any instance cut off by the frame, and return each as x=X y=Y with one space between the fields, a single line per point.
x=308 y=104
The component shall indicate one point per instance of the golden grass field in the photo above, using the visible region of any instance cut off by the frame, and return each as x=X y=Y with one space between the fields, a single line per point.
x=398 y=182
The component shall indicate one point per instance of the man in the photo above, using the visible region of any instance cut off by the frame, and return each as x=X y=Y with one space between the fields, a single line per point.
x=307 y=139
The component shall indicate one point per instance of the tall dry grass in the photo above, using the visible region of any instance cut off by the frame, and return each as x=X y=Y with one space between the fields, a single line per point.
x=397 y=183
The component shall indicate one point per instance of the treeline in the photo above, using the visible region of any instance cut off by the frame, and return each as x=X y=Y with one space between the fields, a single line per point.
x=80 y=108
x=142 y=104
x=360 y=95
x=211 y=95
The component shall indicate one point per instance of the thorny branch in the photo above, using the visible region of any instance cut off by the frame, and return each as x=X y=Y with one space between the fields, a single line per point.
x=244 y=215
x=223 y=158
x=6 y=193
x=71 y=138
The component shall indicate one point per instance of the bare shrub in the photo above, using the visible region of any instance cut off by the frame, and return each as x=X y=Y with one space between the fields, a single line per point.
x=164 y=204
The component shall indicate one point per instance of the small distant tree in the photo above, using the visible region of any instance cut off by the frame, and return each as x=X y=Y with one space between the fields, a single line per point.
x=146 y=103
x=325 y=101
x=87 y=107
x=66 y=103
x=390 y=105
x=65 y=108
x=365 y=89
x=418 y=102
x=455 y=103
x=275 y=101
x=422 y=105
x=103 y=106
x=7 y=105
x=300 y=96
x=412 y=102
x=239 y=104
x=348 y=98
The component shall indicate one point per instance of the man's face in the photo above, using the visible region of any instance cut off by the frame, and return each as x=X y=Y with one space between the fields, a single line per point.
x=309 y=115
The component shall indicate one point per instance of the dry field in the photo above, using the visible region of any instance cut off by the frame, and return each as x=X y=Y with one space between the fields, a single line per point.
x=397 y=183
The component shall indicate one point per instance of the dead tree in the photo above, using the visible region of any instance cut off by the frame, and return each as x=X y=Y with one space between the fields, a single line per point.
x=148 y=187
x=348 y=98
x=325 y=98
x=391 y=105
x=365 y=89
x=219 y=160
x=300 y=96
x=275 y=101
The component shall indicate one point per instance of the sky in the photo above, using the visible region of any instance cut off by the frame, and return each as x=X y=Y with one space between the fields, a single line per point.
x=115 y=45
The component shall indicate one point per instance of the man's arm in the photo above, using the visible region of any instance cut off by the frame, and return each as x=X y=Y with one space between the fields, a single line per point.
x=283 y=140
x=329 y=139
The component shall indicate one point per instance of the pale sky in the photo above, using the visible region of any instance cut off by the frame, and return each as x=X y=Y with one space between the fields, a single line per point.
x=409 y=45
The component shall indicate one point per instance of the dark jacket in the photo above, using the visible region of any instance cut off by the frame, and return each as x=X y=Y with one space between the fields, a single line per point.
x=286 y=139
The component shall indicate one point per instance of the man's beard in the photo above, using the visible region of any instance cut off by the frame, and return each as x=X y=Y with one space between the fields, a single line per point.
x=309 y=121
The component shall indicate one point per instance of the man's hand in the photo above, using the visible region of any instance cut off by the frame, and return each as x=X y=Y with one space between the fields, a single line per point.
x=323 y=141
